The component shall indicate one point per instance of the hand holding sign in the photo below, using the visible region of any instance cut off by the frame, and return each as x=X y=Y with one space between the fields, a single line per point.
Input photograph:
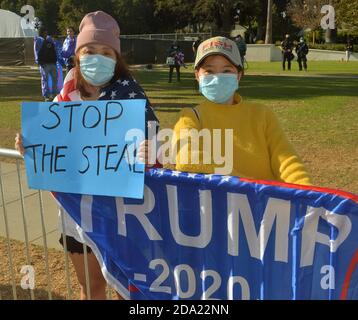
x=85 y=147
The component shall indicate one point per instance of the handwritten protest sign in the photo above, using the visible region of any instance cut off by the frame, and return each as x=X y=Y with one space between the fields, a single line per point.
x=84 y=147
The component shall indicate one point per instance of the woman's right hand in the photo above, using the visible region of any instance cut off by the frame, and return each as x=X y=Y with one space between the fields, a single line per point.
x=18 y=144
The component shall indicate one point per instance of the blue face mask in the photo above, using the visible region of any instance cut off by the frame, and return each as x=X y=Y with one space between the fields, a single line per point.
x=219 y=87
x=97 y=69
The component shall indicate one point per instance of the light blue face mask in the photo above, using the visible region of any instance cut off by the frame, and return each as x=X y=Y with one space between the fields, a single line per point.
x=219 y=87
x=97 y=69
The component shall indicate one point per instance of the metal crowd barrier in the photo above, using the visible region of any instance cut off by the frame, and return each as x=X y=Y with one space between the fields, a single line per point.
x=12 y=154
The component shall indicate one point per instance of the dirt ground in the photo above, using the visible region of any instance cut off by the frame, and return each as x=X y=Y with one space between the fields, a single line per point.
x=56 y=268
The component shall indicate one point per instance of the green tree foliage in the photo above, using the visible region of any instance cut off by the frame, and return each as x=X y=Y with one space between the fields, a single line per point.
x=72 y=11
x=253 y=15
x=221 y=13
x=13 y=5
x=347 y=15
x=137 y=17
x=133 y=16
x=306 y=14
x=282 y=21
x=160 y=16
x=175 y=14
x=48 y=13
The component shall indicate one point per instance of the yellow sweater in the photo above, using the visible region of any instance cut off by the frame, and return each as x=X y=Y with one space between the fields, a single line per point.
x=260 y=147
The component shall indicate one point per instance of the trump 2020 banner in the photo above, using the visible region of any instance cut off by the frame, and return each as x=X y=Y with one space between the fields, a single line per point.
x=196 y=236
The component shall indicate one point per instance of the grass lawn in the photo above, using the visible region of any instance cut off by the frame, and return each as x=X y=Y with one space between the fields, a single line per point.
x=318 y=109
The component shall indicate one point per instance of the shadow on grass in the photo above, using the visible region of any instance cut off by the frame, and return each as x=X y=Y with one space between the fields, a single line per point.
x=172 y=107
x=40 y=294
x=23 y=99
x=339 y=75
x=258 y=86
x=155 y=83
x=29 y=90
x=291 y=87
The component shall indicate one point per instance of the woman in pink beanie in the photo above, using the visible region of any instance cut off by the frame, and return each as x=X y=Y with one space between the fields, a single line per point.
x=100 y=73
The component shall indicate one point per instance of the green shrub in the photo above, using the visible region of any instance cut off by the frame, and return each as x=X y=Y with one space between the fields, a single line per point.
x=331 y=46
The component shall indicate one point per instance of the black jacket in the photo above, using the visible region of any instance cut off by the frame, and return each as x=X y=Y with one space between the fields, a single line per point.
x=286 y=45
x=302 y=50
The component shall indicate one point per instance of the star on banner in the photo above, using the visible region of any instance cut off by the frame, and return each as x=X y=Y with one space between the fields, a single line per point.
x=113 y=95
x=226 y=179
x=125 y=83
x=191 y=175
x=160 y=171
x=132 y=95
x=175 y=173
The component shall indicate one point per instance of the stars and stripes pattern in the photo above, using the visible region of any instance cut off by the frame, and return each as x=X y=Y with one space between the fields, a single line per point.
x=122 y=89
x=196 y=176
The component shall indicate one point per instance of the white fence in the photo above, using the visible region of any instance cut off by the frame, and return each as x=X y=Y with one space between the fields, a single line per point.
x=269 y=52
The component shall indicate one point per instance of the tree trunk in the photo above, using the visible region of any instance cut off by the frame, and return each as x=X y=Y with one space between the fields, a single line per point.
x=250 y=32
x=268 y=38
x=260 y=29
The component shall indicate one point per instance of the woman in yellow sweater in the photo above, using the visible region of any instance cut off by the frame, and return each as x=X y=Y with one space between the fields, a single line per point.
x=260 y=149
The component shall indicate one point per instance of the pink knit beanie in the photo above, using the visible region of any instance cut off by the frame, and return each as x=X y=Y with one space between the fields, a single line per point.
x=99 y=27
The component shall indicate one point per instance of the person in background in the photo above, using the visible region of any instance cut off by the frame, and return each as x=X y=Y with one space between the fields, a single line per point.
x=46 y=58
x=287 y=55
x=349 y=49
x=68 y=49
x=260 y=147
x=241 y=45
x=175 y=60
x=302 y=51
x=60 y=64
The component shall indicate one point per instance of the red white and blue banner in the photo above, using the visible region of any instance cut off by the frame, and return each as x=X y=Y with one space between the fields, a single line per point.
x=197 y=236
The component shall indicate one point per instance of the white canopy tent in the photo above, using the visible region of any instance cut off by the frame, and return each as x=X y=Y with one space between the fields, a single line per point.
x=16 y=39
x=10 y=26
